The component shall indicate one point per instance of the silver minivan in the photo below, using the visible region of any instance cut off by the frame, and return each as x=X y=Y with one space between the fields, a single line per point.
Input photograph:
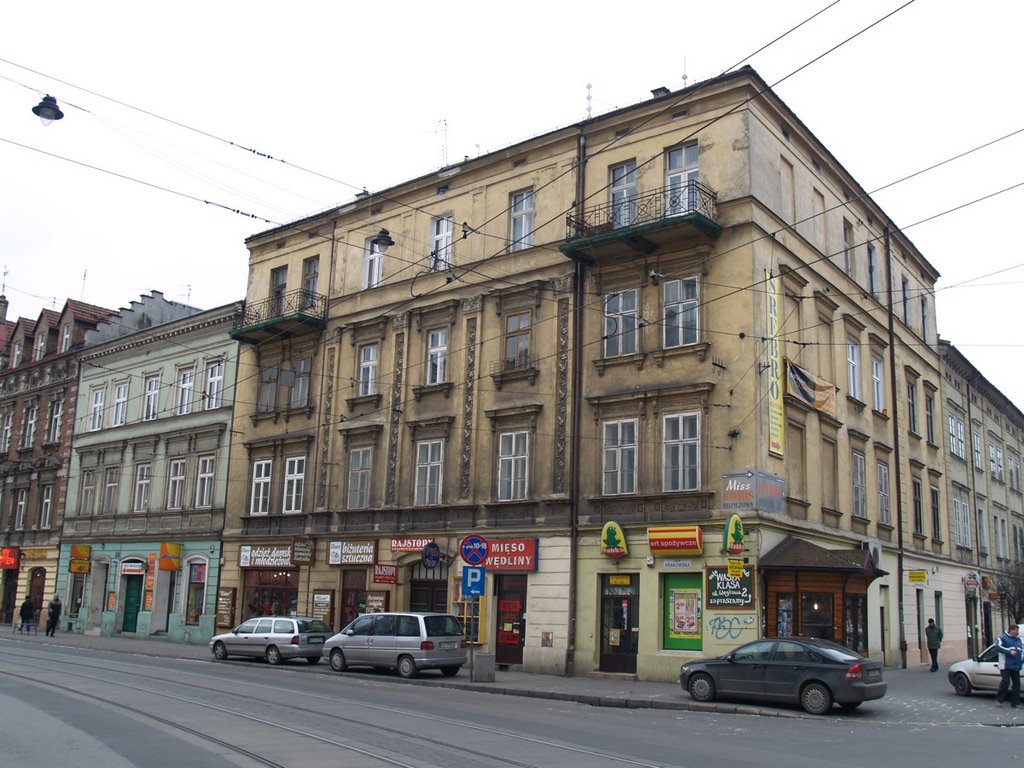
x=404 y=640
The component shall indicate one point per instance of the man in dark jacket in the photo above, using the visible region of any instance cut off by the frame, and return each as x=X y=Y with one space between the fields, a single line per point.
x=1010 y=650
x=53 y=610
x=27 y=614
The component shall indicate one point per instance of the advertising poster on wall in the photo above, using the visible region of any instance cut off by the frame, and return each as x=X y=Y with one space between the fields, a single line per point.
x=682 y=612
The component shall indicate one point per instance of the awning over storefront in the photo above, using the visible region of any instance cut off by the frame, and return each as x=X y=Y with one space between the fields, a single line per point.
x=794 y=554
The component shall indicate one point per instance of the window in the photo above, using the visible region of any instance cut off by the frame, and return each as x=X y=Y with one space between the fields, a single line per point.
x=998 y=472
x=681 y=177
x=359 y=468
x=186 y=390
x=787 y=191
x=513 y=465
x=20 y=508
x=143 y=475
x=310 y=277
x=521 y=210
x=873 y=276
x=681 y=318
x=5 y=431
x=120 y=404
x=65 y=337
x=912 y=406
x=151 y=398
x=96 y=398
x=195 y=601
x=859 y=486
x=936 y=514
x=213 y=394
x=884 y=516
x=441 y=243
x=878 y=383
x=437 y=356
x=87 y=498
x=517 y=341
x=1013 y=470
x=368 y=354
x=924 y=318
x=818 y=214
x=976 y=449
x=620 y=322
x=929 y=418
x=905 y=284
x=278 y=289
x=961 y=521
x=853 y=368
x=681 y=461
x=16 y=356
x=999 y=532
x=294 y=483
x=46 y=506
x=260 y=504
x=623 y=193
x=28 y=429
x=54 y=421
x=41 y=344
x=848 y=252
x=175 y=483
x=429 y=459
x=300 y=386
x=619 y=469
x=266 y=397
x=917 y=493
x=982 y=533
x=373 y=263
x=204 y=482
x=956 y=437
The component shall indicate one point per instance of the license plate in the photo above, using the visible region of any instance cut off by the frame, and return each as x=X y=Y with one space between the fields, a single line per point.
x=447 y=644
x=874 y=674
x=315 y=641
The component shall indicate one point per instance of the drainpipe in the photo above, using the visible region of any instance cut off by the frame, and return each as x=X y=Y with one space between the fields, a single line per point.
x=579 y=274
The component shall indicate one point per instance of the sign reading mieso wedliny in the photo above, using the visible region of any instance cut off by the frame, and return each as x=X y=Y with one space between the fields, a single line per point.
x=725 y=591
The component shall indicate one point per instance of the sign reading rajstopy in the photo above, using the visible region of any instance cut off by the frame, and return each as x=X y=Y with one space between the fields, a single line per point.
x=729 y=591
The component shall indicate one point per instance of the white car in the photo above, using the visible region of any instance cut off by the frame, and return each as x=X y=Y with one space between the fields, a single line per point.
x=978 y=674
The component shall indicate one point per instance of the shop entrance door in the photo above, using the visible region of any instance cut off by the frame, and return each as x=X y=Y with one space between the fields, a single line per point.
x=620 y=620
x=10 y=595
x=132 y=600
x=428 y=588
x=511 y=616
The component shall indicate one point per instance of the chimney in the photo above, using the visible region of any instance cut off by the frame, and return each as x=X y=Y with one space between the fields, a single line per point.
x=659 y=92
x=3 y=308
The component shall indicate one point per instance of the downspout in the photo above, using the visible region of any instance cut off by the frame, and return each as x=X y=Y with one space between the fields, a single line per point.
x=896 y=452
x=579 y=274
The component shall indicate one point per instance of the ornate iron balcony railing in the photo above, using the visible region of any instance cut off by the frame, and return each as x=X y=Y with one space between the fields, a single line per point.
x=298 y=302
x=691 y=197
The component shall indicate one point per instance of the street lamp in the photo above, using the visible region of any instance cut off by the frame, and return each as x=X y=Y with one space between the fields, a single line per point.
x=382 y=241
x=47 y=110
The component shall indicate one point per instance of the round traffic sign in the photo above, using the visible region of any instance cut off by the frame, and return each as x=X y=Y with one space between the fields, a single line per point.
x=431 y=555
x=474 y=549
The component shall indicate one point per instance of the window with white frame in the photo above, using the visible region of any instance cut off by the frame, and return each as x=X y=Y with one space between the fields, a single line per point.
x=87 y=493
x=186 y=390
x=441 y=229
x=368 y=367
x=151 y=397
x=278 y=290
x=175 y=483
x=195 y=599
x=5 y=430
x=266 y=395
x=917 y=493
x=429 y=465
x=929 y=418
x=884 y=515
x=912 y=406
x=373 y=263
x=301 y=368
x=213 y=392
x=28 y=429
x=982 y=533
x=976 y=450
x=620 y=323
x=848 y=247
x=682 y=302
x=853 y=368
x=961 y=520
x=54 y=421
x=619 y=461
x=294 y=483
x=437 y=356
x=681 y=452
x=120 y=413
x=143 y=476
x=999 y=530
x=65 y=337
x=878 y=383
x=41 y=335
x=1013 y=472
x=513 y=465
x=996 y=457
x=360 y=467
x=260 y=495
x=521 y=212
x=681 y=177
x=46 y=506
x=16 y=355
x=310 y=278
x=204 y=481
x=957 y=445
x=859 y=471
x=622 y=188
x=96 y=397
x=20 y=508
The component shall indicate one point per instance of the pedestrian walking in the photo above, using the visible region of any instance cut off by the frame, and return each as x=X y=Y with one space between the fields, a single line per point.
x=1011 y=650
x=933 y=634
x=27 y=614
x=53 y=611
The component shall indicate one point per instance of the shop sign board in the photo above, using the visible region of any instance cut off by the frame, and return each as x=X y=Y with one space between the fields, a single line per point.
x=385 y=574
x=303 y=550
x=352 y=552
x=10 y=558
x=170 y=556
x=410 y=543
x=265 y=556
x=753 y=489
x=226 y=606
x=133 y=568
x=725 y=590
x=512 y=555
x=678 y=540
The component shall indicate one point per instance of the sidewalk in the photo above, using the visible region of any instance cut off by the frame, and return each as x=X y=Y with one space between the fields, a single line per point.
x=912 y=692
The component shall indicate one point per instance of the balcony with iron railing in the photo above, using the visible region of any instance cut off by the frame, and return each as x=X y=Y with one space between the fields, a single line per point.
x=679 y=215
x=281 y=316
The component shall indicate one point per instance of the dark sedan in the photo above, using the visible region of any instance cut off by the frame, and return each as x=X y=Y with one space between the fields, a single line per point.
x=800 y=670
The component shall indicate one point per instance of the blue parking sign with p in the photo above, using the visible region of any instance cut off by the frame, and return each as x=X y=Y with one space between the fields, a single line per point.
x=473 y=581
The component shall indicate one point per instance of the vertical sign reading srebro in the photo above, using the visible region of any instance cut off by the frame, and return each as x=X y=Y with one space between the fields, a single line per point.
x=776 y=417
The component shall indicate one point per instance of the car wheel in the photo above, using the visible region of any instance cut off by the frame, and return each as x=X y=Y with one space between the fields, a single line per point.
x=220 y=651
x=816 y=699
x=450 y=671
x=312 y=659
x=273 y=655
x=851 y=706
x=407 y=667
x=338 y=661
x=701 y=688
x=962 y=685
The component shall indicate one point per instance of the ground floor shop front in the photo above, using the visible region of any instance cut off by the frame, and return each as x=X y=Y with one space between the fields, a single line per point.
x=26 y=572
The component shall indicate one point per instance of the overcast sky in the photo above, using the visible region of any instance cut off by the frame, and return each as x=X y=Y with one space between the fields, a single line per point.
x=108 y=203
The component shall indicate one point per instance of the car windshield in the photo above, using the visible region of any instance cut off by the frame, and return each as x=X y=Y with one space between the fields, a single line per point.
x=313 y=625
x=442 y=626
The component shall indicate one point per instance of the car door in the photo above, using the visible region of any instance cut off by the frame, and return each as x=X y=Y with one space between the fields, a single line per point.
x=743 y=672
x=235 y=642
x=986 y=670
x=786 y=670
x=382 y=642
x=357 y=640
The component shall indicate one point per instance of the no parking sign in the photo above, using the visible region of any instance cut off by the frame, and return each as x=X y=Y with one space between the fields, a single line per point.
x=473 y=549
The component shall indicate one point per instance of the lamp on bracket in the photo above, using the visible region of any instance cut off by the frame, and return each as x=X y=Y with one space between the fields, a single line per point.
x=382 y=241
x=47 y=110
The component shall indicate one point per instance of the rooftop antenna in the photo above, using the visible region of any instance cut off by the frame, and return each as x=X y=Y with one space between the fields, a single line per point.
x=3 y=283
x=444 y=143
x=85 y=272
x=685 y=78
x=588 y=101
